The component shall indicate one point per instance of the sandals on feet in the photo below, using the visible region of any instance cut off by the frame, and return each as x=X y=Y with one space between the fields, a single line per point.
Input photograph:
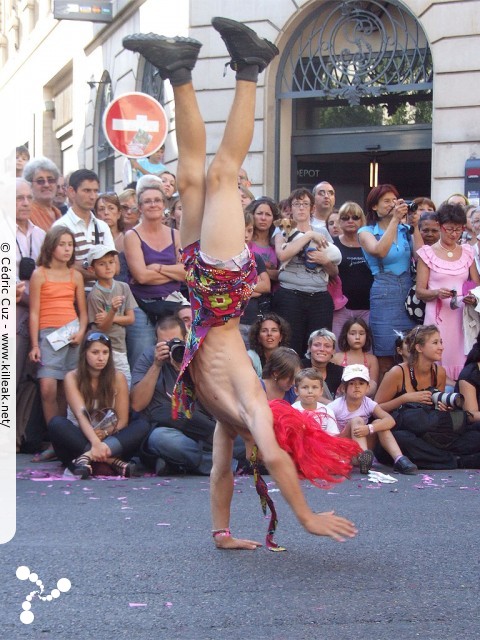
x=81 y=466
x=122 y=468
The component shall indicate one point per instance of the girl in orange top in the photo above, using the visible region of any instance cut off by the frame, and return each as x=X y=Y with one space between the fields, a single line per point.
x=55 y=289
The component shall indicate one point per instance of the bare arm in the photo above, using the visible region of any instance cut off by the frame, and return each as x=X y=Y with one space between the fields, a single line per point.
x=121 y=400
x=262 y=286
x=380 y=248
x=142 y=393
x=81 y=303
x=471 y=401
x=35 y=285
x=422 y=290
x=154 y=273
x=286 y=251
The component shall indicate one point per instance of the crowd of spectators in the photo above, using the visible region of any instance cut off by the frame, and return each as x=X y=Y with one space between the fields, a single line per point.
x=101 y=273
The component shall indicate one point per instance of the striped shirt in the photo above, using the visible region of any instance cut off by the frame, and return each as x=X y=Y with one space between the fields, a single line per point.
x=85 y=236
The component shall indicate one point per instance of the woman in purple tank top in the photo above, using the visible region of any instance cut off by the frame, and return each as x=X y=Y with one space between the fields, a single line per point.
x=152 y=251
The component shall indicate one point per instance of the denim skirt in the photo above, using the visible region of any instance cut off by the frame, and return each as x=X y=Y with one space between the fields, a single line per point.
x=387 y=311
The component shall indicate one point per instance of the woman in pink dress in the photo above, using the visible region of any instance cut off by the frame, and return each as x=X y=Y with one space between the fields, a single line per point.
x=442 y=271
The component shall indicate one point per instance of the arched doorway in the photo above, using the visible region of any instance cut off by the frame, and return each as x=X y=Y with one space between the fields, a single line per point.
x=356 y=81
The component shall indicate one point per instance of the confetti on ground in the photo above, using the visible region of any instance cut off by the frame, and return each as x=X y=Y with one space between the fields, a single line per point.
x=163 y=524
x=168 y=604
x=137 y=604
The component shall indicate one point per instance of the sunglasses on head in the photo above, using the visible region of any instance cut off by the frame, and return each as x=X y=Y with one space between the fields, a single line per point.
x=97 y=336
x=352 y=217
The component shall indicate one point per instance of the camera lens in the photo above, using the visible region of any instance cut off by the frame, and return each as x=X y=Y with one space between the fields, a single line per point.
x=412 y=206
x=177 y=349
x=451 y=400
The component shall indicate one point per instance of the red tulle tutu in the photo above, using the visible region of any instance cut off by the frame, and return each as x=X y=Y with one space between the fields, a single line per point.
x=317 y=455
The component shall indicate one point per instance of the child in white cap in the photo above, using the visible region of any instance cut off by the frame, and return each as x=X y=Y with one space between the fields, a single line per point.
x=361 y=418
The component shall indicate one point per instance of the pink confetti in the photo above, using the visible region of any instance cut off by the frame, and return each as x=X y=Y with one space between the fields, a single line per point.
x=168 y=604
x=137 y=604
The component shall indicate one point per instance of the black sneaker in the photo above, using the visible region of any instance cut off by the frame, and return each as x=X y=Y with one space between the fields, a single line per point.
x=244 y=45
x=166 y=54
x=365 y=461
x=405 y=466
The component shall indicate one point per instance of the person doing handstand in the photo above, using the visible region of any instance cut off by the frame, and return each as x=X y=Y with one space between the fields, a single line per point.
x=221 y=276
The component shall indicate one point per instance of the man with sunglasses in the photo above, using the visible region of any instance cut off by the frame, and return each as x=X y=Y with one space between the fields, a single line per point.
x=43 y=175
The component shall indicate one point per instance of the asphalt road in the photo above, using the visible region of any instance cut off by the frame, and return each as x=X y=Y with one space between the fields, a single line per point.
x=142 y=565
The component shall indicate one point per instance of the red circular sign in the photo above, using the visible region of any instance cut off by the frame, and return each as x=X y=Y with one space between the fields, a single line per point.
x=135 y=124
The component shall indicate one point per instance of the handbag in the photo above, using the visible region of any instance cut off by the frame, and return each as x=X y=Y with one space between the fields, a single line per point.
x=414 y=307
x=422 y=419
x=103 y=421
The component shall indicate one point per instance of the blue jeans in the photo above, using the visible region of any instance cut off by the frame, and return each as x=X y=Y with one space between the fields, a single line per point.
x=181 y=451
x=140 y=335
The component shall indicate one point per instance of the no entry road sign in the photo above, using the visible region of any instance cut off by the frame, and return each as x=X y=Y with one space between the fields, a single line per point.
x=135 y=124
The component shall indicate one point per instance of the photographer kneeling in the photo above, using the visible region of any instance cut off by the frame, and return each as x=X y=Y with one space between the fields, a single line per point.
x=173 y=445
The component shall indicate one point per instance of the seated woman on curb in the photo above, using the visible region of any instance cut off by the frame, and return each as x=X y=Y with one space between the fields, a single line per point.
x=412 y=382
x=95 y=385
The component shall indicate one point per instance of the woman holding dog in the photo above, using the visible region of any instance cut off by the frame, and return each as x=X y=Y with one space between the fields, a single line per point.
x=354 y=273
x=302 y=298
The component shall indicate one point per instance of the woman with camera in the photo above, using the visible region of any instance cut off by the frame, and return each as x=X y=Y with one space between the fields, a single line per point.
x=443 y=274
x=97 y=427
x=428 y=433
x=388 y=245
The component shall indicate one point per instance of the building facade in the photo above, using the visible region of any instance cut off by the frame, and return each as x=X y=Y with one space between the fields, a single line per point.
x=391 y=88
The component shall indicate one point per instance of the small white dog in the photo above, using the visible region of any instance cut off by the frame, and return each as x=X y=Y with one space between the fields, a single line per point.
x=289 y=231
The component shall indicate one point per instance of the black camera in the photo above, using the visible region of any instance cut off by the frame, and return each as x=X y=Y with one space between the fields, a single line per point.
x=412 y=206
x=177 y=349
x=26 y=268
x=451 y=400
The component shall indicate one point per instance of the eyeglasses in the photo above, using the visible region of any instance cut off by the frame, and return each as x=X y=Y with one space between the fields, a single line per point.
x=453 y=230
x=322 y=192
x=353 y=217
x=43 y=181
x=20 y=198
x=298 y=204
x=155 y=201
x=96 y=336
x=126 y=208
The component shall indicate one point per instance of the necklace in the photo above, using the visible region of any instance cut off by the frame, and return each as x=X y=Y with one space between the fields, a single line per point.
x=449 y=251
